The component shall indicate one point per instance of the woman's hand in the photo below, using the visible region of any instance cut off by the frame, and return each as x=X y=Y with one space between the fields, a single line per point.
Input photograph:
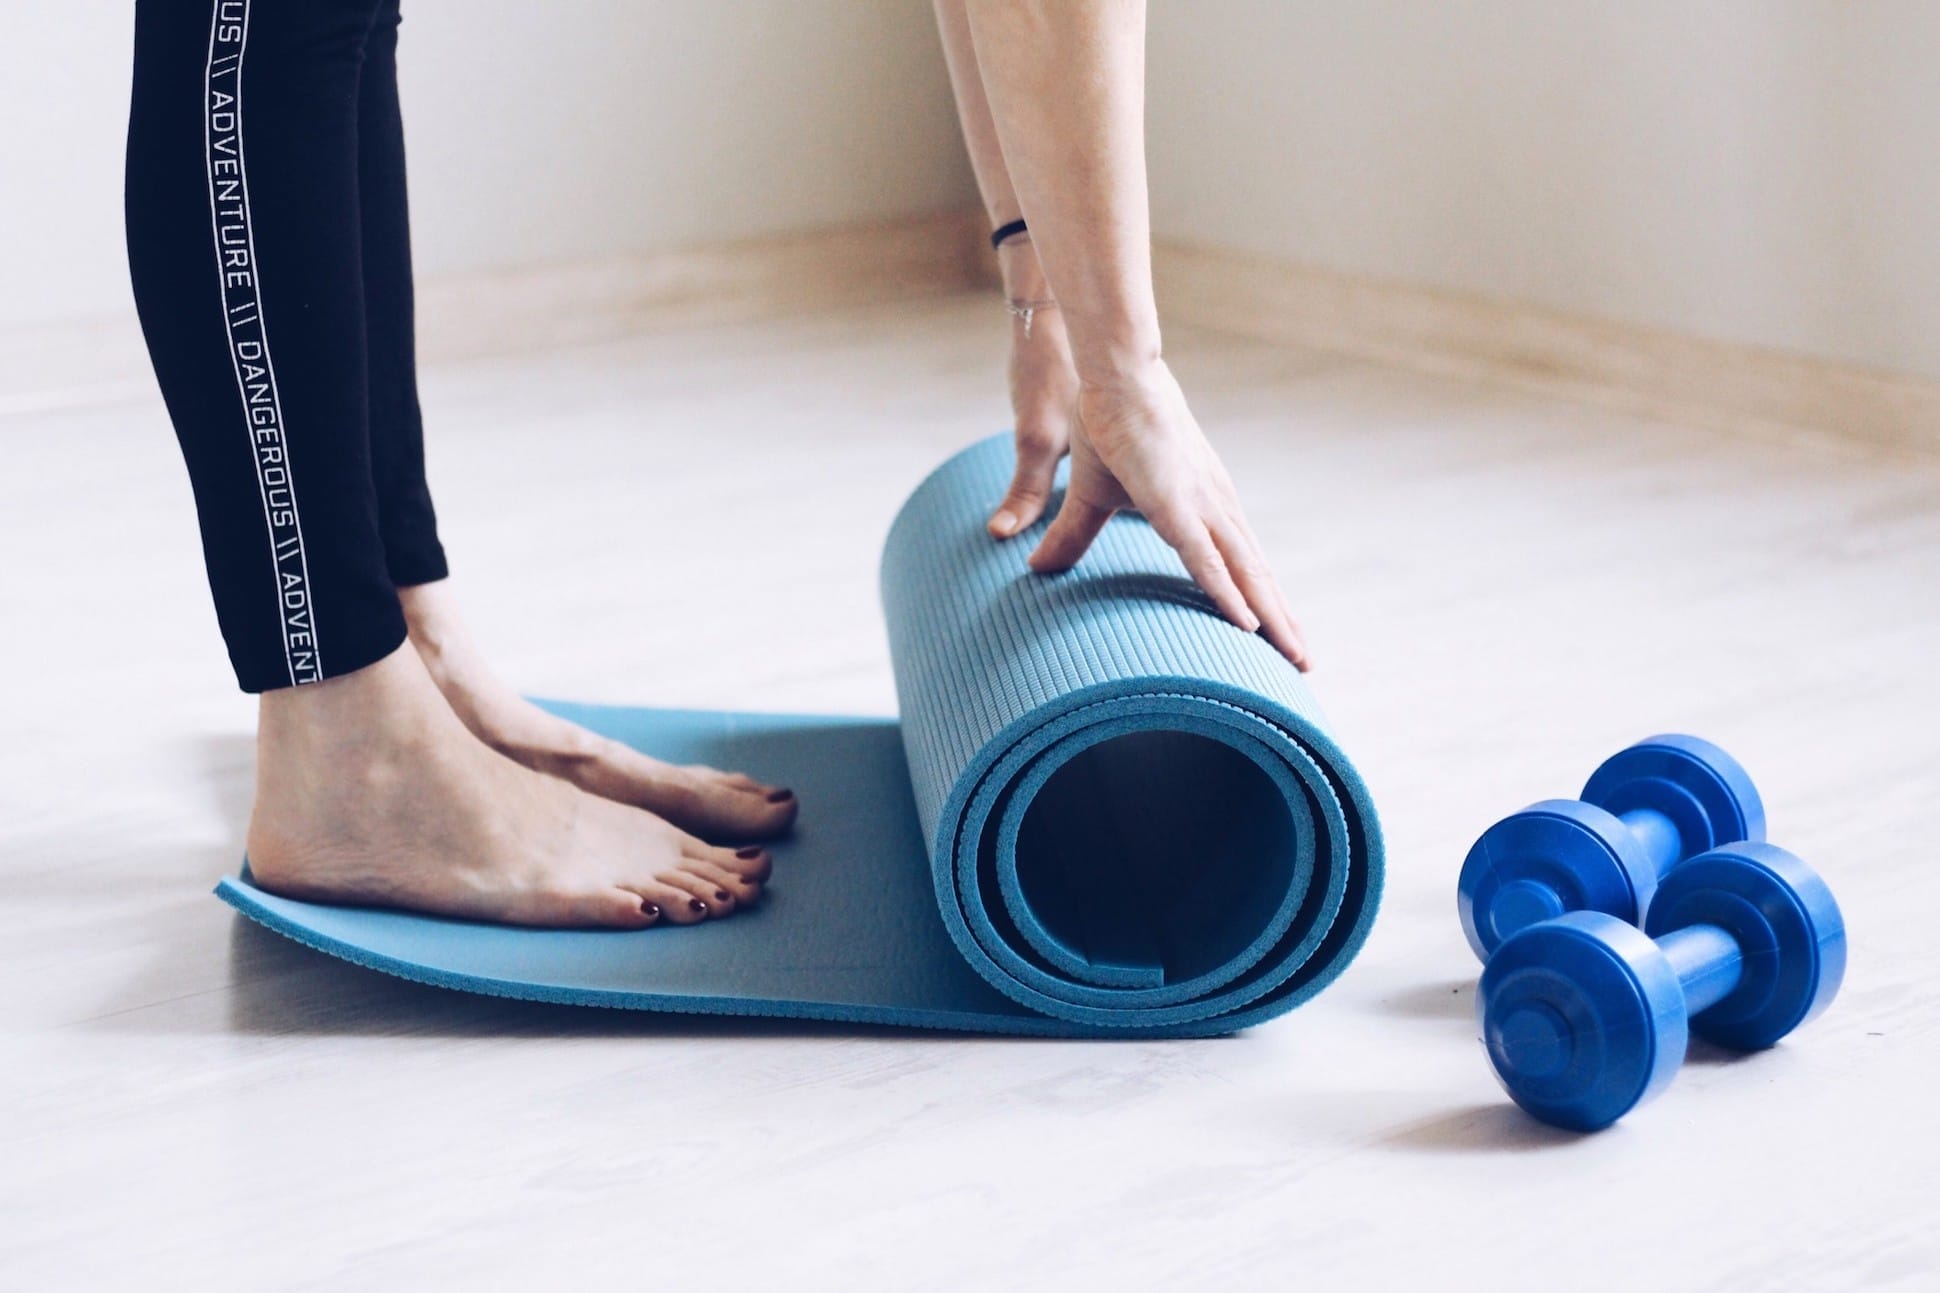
x=1136 y=444
x=1052 y=100
x=1133 y=443
x=1044 y=402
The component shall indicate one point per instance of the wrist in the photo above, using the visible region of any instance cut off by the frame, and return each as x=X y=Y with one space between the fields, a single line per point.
x=1131 y=364
x=1023 y=276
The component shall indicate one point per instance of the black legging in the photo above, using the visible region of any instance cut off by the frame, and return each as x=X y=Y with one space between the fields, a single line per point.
x=270 y=248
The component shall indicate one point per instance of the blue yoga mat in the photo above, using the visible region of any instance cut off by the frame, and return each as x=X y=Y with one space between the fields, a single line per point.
x=1104 y=812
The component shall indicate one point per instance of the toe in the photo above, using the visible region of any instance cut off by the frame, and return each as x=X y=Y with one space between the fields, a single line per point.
x=736 y=806
x=724 y=805
x=751 y=862
x=670 y=904
x=782 y=806
x=713 y=899
x=740 y=887
x=735 y=780
x=612 y=908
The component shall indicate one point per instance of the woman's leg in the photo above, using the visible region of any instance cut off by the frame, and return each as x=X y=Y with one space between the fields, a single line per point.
x=243 y=233
x=245 y=270
x=405 y=516
x=704 y=800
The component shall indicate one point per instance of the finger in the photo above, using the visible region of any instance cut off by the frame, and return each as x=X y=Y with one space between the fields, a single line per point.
x=1070 y=534
x=1208 y=570
x=1194 y=544
x=1302 y=655
x=1306 y=660
x=1256 y=583
x=1038 y=453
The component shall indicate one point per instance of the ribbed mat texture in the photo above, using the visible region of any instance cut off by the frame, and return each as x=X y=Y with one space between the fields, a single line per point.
x=1129 y=816
x=1005 y=679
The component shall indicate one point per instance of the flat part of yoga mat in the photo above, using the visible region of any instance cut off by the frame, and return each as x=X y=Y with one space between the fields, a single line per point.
x=1103 y=724
x=848 y=931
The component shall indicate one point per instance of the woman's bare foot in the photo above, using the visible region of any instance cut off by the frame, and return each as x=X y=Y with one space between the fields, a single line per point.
x=707 y=801
x=369 y=790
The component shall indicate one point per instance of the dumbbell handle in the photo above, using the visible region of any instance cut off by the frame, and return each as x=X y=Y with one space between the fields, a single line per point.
x=1708 y=962
x=1522 y=903
x=1663 y=843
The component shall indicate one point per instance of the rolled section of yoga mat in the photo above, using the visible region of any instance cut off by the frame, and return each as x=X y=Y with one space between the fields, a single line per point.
x=1135 y=814
x=1105 y=812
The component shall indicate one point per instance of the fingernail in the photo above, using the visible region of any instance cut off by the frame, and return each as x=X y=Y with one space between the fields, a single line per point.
x=780 y=796
x=748 y=854
x=651 y=910
x=697 y=904
x=1003 y=523
x=722 y=895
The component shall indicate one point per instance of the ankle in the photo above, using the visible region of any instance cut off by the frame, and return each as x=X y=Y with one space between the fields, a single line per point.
x=432 y=620
x=382 y=703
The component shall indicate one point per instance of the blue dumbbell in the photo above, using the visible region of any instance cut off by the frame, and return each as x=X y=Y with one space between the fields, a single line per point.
x=1585 y=1016
x=1646 y=809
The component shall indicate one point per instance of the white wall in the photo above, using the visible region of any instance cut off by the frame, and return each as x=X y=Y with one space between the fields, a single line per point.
x=1761 y=171
x=1764 y=171
x=538 y=130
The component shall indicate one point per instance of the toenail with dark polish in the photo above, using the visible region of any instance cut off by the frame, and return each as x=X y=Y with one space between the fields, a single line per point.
x=722 y=894
x=697 y=904
x=780 y=796
x=651 y=910
x=748 y=854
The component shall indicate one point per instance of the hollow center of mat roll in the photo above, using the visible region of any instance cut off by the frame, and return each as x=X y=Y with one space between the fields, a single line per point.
x=1163 y=851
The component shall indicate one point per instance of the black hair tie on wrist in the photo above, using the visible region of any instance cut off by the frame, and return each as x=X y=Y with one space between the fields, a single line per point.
x=1003 y=232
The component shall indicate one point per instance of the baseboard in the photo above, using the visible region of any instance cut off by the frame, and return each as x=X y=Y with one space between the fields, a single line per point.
x=96 y=361
x=465 y=316
x=546 y=306
x=1684 y=378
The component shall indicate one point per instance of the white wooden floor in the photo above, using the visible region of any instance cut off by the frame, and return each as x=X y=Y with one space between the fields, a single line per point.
x=1501 y=588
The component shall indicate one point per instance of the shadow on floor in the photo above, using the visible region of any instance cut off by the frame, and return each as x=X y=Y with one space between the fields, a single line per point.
x=1452 y=1001
x=1703 y=1054
x=1497 y=1128
x=278 y=987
